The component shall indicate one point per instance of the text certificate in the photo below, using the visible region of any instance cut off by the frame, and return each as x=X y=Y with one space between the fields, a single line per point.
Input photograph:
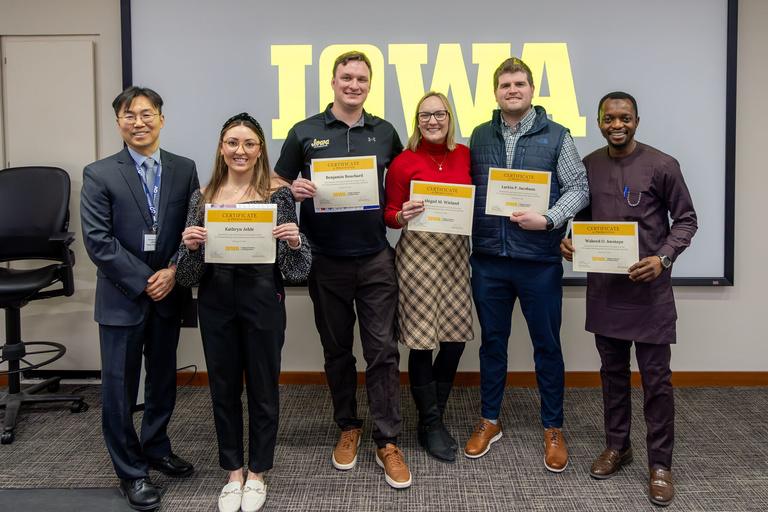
x=345 y=184
x=448 y=207
x=240 y=233
x=516 y=190
x=608 y=247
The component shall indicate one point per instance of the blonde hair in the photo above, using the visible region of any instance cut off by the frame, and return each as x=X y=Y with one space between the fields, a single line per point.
x=450 y=138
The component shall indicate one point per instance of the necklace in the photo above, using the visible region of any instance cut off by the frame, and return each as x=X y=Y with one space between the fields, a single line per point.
x=237 y=189
x=440 y=165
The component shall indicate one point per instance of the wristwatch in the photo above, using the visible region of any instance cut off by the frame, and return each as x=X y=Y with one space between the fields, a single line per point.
x=665 y=261
x=550 y=224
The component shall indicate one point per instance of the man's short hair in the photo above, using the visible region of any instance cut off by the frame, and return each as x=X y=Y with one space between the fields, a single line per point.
x=125 y=98
x=344 y=58
x=616 y=95
x=512 y=65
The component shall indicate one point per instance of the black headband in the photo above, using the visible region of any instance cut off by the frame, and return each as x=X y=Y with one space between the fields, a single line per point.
x=245 y=116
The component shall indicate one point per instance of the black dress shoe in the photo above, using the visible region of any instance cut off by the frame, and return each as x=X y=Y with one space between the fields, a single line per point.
x=172 y=465
x=140 y=493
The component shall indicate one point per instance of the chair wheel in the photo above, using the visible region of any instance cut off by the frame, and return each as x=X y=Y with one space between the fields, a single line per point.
x=54 y=388
x=7 y=437
x=78 y=407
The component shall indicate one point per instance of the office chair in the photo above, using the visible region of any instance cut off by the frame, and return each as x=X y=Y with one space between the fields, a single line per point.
x=34 y=218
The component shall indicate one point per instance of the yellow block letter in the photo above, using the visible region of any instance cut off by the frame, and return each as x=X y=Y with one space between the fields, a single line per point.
x=291 y=92
x=561 y=102
x=408 y=59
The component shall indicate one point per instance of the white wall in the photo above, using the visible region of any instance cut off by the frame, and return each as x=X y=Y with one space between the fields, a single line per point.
x=720 y=329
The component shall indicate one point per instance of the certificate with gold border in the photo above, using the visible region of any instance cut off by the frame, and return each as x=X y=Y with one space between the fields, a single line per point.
x=516 y=190
x=607 y=247
x=345 y=184
x=448 y=207
x=240 y=233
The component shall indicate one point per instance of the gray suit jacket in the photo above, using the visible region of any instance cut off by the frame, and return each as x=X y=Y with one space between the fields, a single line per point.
x=115 y=216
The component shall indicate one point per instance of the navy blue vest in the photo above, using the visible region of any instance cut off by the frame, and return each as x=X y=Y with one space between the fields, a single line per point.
x=539 y=150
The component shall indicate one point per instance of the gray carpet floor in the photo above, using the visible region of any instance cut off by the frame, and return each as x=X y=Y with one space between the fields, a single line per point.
x=720 y=464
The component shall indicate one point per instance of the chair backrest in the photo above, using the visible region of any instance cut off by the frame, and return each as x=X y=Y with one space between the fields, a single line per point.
x=34 y=204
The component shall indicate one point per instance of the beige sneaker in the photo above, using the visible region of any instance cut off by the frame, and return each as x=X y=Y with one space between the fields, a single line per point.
x=395 y=471
x=345 y=454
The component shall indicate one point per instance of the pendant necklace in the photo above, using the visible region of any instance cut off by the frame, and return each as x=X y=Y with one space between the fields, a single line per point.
x=440 y=165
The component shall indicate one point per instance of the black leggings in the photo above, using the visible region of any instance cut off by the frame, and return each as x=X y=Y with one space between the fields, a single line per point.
x=422 y=371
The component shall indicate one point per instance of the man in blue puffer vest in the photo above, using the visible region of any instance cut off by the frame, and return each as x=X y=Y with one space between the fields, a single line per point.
x=519 y=256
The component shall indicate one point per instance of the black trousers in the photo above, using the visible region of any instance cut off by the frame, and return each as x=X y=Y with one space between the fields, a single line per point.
x=242 y=323
x=338 y=286
x=658 y=396
x=156 y=337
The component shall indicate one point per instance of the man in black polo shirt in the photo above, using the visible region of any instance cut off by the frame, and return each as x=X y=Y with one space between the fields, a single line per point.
x=352 y=266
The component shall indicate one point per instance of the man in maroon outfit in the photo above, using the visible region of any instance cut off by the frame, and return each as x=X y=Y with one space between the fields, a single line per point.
x=630 y=181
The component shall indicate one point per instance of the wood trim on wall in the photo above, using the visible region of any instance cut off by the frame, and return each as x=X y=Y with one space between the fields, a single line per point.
x=518 y=379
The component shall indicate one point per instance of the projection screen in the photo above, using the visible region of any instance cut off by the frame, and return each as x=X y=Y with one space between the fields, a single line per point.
x=273 y=59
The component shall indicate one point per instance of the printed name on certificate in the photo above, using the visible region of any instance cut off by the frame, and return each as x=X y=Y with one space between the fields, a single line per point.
x=240 y=233
x=448 y=207
x=517 y=190
x=345 y=184
x=607 y=247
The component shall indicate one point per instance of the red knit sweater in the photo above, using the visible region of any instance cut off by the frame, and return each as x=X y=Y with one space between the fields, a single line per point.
x=422 y=165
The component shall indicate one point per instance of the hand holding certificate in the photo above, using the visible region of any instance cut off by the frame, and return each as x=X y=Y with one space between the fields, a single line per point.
x=517 y=190
x=608 y=247
x=448 y=207
x=345 y=183
x=240 y=233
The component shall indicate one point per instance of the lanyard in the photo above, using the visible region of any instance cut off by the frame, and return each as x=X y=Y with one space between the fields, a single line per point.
x=151 y=197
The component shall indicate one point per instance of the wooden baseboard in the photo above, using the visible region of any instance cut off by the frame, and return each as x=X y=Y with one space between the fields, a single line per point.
x=525 y=379
x=518 y=379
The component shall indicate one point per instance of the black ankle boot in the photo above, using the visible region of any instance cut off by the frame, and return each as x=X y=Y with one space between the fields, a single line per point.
x=443 y=391
x=431 y=426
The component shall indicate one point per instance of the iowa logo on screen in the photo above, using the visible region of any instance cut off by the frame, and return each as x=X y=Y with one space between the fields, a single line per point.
x=473 y=102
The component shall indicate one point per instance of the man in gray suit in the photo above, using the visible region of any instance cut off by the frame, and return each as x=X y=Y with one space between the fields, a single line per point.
x=133 y=209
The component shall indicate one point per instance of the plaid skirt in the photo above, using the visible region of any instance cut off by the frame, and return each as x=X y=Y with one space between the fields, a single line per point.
x=435 y=295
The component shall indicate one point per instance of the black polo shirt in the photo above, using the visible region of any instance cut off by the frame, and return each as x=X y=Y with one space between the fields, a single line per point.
x=350 y=233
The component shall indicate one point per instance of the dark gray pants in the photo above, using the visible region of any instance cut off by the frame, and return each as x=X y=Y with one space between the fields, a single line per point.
x=338 y=286
x=658 y=396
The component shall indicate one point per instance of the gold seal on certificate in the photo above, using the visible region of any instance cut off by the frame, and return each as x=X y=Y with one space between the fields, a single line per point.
x=345 y=184
x=516 y=190
x=240 y=233
x=608 y=247
x=448 y=207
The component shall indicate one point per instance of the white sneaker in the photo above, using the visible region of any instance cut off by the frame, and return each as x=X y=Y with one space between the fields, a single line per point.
x=254 y=496
x=229 y=499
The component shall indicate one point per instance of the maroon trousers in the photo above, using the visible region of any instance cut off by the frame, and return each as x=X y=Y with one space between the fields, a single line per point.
x=658 y=396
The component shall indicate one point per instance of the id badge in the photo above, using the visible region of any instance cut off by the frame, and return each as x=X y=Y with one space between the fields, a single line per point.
x=150 y=239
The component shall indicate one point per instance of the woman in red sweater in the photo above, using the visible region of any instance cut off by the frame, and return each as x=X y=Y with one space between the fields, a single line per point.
x=434 y=303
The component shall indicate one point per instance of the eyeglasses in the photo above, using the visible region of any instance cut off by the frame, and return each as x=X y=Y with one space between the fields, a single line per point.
x=146 y=118
x=231 y=145
x=440 y=115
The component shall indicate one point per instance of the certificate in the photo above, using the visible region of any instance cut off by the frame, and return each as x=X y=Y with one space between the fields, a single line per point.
x=516 y=190
x=345 y=184
x=608 y=247
x=240 y=233
x=448 y=207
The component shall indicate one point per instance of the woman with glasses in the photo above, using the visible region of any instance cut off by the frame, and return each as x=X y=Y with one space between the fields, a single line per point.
x=434 y=302
x=242 y=310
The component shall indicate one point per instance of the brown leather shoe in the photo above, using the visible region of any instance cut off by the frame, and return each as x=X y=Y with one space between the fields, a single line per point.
x=482 y=438
x=555 y=451
x=609 y=463
x=660 y=488
x=396 y=472
x=345 y=454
